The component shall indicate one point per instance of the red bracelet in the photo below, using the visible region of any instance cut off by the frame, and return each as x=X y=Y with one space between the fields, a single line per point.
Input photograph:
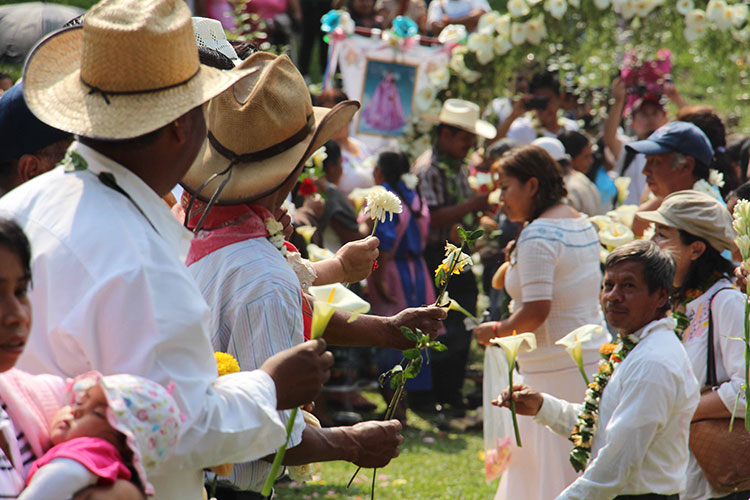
x=494 y=326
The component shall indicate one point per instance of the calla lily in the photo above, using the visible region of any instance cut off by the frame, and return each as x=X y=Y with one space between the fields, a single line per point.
x=623 y=184
x=624 y=214
x=615 y=234
x=306 y=232
x=317 y=253
x=452 y=305
x=334 y=297
x=601 y=221
x=511 y=345
x=573 y=343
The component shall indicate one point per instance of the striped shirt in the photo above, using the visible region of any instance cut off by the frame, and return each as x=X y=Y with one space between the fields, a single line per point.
x=11 y=484
x=256 y=312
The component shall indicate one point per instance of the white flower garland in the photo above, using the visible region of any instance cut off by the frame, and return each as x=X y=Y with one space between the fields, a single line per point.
x=303 y=268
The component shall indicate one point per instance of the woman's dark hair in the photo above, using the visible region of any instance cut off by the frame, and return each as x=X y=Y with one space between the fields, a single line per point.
x=710 y=263
x=706 y=119
x=333 y=153
x=574 y=142
x=533 y=161
x=14 y=239
x=394 y=164
x=739 y=152
x=544 y=80
x=658 y=266
x=742 y=192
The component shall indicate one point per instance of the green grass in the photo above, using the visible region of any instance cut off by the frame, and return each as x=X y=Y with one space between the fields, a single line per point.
x=432 y=465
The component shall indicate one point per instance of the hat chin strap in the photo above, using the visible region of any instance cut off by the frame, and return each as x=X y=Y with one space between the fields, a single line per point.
x=228 y=172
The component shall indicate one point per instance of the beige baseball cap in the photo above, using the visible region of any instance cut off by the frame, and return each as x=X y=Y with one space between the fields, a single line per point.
x=698 y=214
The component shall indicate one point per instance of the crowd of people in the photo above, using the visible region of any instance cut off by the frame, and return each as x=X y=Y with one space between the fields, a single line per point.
x=168 y=195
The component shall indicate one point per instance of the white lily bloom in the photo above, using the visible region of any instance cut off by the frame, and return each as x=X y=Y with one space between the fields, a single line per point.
x=518 y=8
x=702 y=186
x=424 y=98
x=739 y=14
x=692 y=34
x=512 y=344
x=502 y=25
x=340 y=298
x=627 y=9
x=685 y=6
x=317 y=158
x=696 y=18
x=487 y=22
x=615 y=234
x=715 y=178
x=740 y=226
x=457 y=62
x=643 y=8
x=717 y=12
x=624 y=214
x=556 y=8
x=518 y=33
x=485 y=56
x=742 y=210
x=502 y=45
x=601 y=221
x=439 y=77
x=573 y=343
x=410 y=180
x=380 y=203
x=454 y=253
x=743 y=243
x=742 y=35
x=306 y=232
x=453 y=33
x=494 y=197
x=623 y=184
x=536 y=31
x=479 y=41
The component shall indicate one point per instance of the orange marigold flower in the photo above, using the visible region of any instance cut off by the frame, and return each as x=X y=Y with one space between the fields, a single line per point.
x=607 y=349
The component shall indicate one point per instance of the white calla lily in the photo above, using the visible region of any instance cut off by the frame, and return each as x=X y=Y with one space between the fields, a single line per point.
x=624 y=214
x=556 y=8
x=573 y=343
x=615 y=234
x=306 y=232
x=318 y=254
x=512 y=345
x=453 y=33
x=623 y=185
x=518 y=8
x=601 y=221
x=329 y=298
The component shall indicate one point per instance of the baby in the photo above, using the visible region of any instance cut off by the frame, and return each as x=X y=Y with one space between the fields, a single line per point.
x=117 y=427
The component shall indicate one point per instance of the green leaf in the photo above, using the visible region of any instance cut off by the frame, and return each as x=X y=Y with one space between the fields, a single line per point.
x=409 y=334
x=438 y=346
x=475 y=235
x=462 y=233
x=396 y=379
x=412 y=354
x=413 y=369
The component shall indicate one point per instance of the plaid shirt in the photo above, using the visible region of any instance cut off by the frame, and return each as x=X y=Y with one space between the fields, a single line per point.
x=441 y=183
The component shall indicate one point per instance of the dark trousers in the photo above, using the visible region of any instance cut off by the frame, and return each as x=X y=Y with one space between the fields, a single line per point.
x=312 y=11
x=449 y=367
x=739 y=495
x=227 y=493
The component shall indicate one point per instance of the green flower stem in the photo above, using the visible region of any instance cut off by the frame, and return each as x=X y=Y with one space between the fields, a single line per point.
x=583 y=373
x=268 y=486
x=395 y=400
x=456 y=256
x=513 y=405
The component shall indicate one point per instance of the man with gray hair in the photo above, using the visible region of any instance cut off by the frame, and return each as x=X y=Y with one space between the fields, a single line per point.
x=635 y=420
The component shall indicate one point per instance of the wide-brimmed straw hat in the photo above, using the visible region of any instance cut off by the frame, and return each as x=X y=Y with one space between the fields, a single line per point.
x=464 y=115
x=131 y=68
x=698 y=214
x=260 y=132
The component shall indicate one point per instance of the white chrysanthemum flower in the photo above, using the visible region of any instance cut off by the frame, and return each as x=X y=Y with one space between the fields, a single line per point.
x=317 y=158
x=518 y=8
x=684 y=6
x=424 y=98
x=439 y=77
x=381 y=202
x=739 y=14
x=487 y=22
x=556 y=8
x=536 y=31
x=410 y=180
x=502 y=25
x=453 y=33
x=715 y=178
x=502 y=45
x=518 y=33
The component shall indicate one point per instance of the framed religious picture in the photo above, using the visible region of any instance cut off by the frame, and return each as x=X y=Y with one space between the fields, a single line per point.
x=387 y=96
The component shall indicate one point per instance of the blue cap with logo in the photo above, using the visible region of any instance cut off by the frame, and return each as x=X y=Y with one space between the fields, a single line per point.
x=20 y=131
x=677 y=137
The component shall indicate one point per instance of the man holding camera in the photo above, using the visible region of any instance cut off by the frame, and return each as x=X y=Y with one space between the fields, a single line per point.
x=545 y=102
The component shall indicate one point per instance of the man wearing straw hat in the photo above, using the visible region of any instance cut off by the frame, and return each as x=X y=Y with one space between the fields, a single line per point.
x=245 y=270
x=111 y=291
x=443 y=182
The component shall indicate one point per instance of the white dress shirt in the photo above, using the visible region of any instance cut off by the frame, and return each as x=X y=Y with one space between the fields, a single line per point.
x=728 y=318
x=111 y=293
x=256 y=311
x=641 y=442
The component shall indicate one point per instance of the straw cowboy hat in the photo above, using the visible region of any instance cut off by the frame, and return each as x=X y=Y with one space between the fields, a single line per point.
x=131 y=68
x=260 y=132
x=464 y=115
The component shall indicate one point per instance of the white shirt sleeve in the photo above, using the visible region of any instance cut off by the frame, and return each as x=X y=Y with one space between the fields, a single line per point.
x=559 y=415
x=728 y=316
x=642 y=410
x=60 y=479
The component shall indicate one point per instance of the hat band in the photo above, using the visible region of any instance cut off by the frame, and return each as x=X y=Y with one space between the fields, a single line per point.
x=267 y=153
x=93 y=89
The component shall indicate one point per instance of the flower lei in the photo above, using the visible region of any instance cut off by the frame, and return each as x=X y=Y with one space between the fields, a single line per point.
x=691 y=294
x=301 y=267
x=276 y=234
x=582 y=434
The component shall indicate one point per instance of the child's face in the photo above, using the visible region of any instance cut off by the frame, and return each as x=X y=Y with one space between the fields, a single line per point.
x=15 y=308
x=86 y=417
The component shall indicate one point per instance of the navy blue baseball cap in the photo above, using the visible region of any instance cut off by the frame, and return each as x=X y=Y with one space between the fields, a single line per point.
x=20 y=131
x=677 y=137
